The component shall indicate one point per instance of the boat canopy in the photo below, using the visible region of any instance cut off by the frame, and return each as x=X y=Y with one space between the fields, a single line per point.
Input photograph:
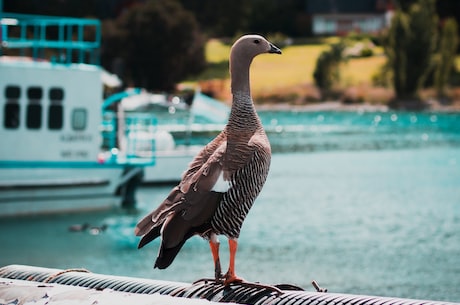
x=63 y=39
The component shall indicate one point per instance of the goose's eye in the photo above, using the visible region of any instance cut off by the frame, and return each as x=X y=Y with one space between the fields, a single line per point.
x=256 y=41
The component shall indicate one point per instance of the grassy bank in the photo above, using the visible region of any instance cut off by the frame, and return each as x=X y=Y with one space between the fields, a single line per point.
x=289 y=78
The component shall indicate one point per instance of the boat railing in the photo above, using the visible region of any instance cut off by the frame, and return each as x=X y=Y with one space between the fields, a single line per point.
x=109 y=132
x=140 y=134
x=58 y=39
x=129 y=139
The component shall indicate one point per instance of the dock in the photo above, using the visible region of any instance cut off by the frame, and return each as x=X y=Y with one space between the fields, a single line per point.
x=21 y=284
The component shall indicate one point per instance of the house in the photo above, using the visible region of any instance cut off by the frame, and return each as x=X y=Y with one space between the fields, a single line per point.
x=340 y=17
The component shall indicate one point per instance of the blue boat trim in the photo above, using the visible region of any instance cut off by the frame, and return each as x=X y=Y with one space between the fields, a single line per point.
x=70 y=183
x=70 y=39
x=58 y=164
x=52 y=199
x=117 y=97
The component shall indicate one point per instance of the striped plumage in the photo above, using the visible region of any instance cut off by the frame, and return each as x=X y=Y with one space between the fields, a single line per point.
x=249 y=151
x=219 y=187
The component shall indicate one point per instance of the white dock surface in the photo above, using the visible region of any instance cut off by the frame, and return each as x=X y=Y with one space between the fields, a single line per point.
x=27 y=293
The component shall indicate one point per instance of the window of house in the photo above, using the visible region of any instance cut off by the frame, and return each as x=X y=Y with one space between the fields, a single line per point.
x=55 y=109
x=34 y=108
x=11 y=113
x=79 y=119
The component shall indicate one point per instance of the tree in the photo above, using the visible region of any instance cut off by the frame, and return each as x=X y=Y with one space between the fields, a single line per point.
x=395 y=46
x=277 y=16
x=160 y=44
x=446 y=56
x=326 y=71
x=223 y=18
x=410 y=49
x=228 y=18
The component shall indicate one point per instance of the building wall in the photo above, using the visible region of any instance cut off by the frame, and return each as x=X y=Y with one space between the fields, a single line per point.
x=341 y=24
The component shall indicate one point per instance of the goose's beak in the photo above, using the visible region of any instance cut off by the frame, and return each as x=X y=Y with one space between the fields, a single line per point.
x=274 y=49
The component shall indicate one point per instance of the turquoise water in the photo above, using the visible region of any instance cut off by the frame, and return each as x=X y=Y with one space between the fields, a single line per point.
x=363 y=203
x=319 y=131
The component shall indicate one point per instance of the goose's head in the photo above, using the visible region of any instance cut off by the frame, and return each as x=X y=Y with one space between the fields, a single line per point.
x=249 y=46
x=241 y=55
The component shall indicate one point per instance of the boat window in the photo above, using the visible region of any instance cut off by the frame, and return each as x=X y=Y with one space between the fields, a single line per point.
x=56 y=94
x=34 y=108
x=34 y=93
x=55 y=110
x=12 y=92
x=79 y=117
x=34 y=116
x=55 y=115
x=11 y=115
x=11 y=109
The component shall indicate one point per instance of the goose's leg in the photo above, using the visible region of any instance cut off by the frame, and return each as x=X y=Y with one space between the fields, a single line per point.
x=230 y=276
x=214 y=244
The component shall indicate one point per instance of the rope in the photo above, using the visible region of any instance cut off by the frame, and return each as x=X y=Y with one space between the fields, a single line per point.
x=53 y=276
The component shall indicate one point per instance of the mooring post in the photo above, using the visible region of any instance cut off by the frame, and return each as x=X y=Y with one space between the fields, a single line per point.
x=132 y=177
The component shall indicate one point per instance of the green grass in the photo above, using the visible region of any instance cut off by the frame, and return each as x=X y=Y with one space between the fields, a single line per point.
x=360 y=70
x=216 y=51
x=271 y=73
x=274 y=73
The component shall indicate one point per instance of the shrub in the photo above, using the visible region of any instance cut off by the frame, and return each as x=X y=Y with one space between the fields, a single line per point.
x=446 y=56
x=410 y=46
x=326 y=71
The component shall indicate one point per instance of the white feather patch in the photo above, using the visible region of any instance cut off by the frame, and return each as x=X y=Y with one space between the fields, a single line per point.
x=221 y=185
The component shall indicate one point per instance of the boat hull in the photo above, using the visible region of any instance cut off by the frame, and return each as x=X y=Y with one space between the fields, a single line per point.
x=30 y=191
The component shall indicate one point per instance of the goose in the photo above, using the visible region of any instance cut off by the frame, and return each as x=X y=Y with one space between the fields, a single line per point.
x=223 y=180
x=78 y=227
x=98 y=230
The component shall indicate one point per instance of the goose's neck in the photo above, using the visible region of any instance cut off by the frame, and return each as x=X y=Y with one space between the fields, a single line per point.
x=239 y=73
x=243 y=118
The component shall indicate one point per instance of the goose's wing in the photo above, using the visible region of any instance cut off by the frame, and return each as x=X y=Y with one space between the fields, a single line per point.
x=187 y=210
x=202 y=158
x=198 y=178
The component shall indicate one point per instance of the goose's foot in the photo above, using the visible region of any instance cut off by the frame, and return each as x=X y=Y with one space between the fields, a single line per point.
x=231 y=278
x=214 y=244
x=219 y=277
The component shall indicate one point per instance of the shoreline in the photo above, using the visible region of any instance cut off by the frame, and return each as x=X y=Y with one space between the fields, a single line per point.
x=306 y=97
x=324 y=106
x=365 y=107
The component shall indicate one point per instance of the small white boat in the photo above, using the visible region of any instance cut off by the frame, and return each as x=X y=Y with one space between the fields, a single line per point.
x=184 y=125
x=51 y=93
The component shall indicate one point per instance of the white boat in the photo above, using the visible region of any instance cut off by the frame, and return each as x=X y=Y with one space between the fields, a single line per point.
x=51 y=93
x=184 y=125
